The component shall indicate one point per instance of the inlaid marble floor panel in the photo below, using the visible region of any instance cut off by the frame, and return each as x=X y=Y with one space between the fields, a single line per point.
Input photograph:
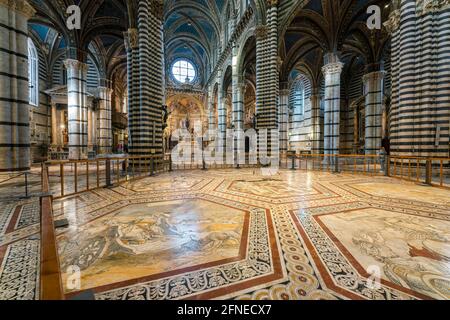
x=239 y=234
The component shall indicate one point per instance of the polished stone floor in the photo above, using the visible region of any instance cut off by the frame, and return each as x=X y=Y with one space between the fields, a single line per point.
x=239 y=234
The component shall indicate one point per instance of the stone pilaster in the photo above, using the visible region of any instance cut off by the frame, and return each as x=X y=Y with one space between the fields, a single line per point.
x=104 y=121
x=77 y=109
x=332 y=73
x=14 y=110
x=373 y=91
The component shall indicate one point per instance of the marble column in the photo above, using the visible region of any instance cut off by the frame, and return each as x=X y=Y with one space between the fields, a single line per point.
x=146 y=124
x=211 y=110
x=104 y=121
x=267 y=75
x=238 y=119
x=237 y=92
x=419 y=116
x=373 y=91
x=332 y=73
x=222 y=115
x=132 y=49
x=267 y=80
x=316 y=123
x=77 y=109
x=14 y=110
x=283 y=118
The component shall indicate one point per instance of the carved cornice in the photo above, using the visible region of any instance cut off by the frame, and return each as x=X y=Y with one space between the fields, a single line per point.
x=20 y=6
x=333 y=68
x=76 y=65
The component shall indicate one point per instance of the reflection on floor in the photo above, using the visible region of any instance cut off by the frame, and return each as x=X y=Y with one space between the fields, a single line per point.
x=237 y=234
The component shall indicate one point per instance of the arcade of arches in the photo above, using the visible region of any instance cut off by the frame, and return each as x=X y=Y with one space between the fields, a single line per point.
x=138 y=71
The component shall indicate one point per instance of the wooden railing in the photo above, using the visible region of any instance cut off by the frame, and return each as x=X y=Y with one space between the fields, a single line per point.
x=73 y=177
x=50 y=274
x=427 y=170
x=355 y=164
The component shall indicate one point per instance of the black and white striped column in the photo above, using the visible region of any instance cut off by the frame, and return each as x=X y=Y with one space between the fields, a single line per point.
x=145 y=123
x=211 y=110
x=104 y=121
x=132 y=49
x=420 y=59
x=237 y=92
x=283 y=118
x=222 y=115
x=267 y=79
x=77 y=109
x=14 y=102
x=332 y=73
x=373 y=91
x=316 y=123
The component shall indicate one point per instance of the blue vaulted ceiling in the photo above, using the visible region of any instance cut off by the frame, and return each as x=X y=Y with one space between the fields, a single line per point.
x=192 y=30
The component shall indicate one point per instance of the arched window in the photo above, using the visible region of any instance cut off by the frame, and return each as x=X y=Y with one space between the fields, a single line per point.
x=33 y=74
x=184 y=71
x=298 y=98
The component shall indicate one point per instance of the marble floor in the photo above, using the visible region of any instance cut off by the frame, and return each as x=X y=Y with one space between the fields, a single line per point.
x=238 y=234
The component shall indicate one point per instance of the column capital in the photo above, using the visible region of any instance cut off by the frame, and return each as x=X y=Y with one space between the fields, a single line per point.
x=76 y=65
x=131 y=39
x=272 y=3
x=261 y=32
x=430 y=6
x=20 y=6
x=241 y=87
x=393 y=21
x=376 y=75
x=104 y=90
x=285 y=92
x=333 y=68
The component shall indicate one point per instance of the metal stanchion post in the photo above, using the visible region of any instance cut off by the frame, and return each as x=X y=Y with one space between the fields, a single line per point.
x=26 y=185
x=108 y=172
